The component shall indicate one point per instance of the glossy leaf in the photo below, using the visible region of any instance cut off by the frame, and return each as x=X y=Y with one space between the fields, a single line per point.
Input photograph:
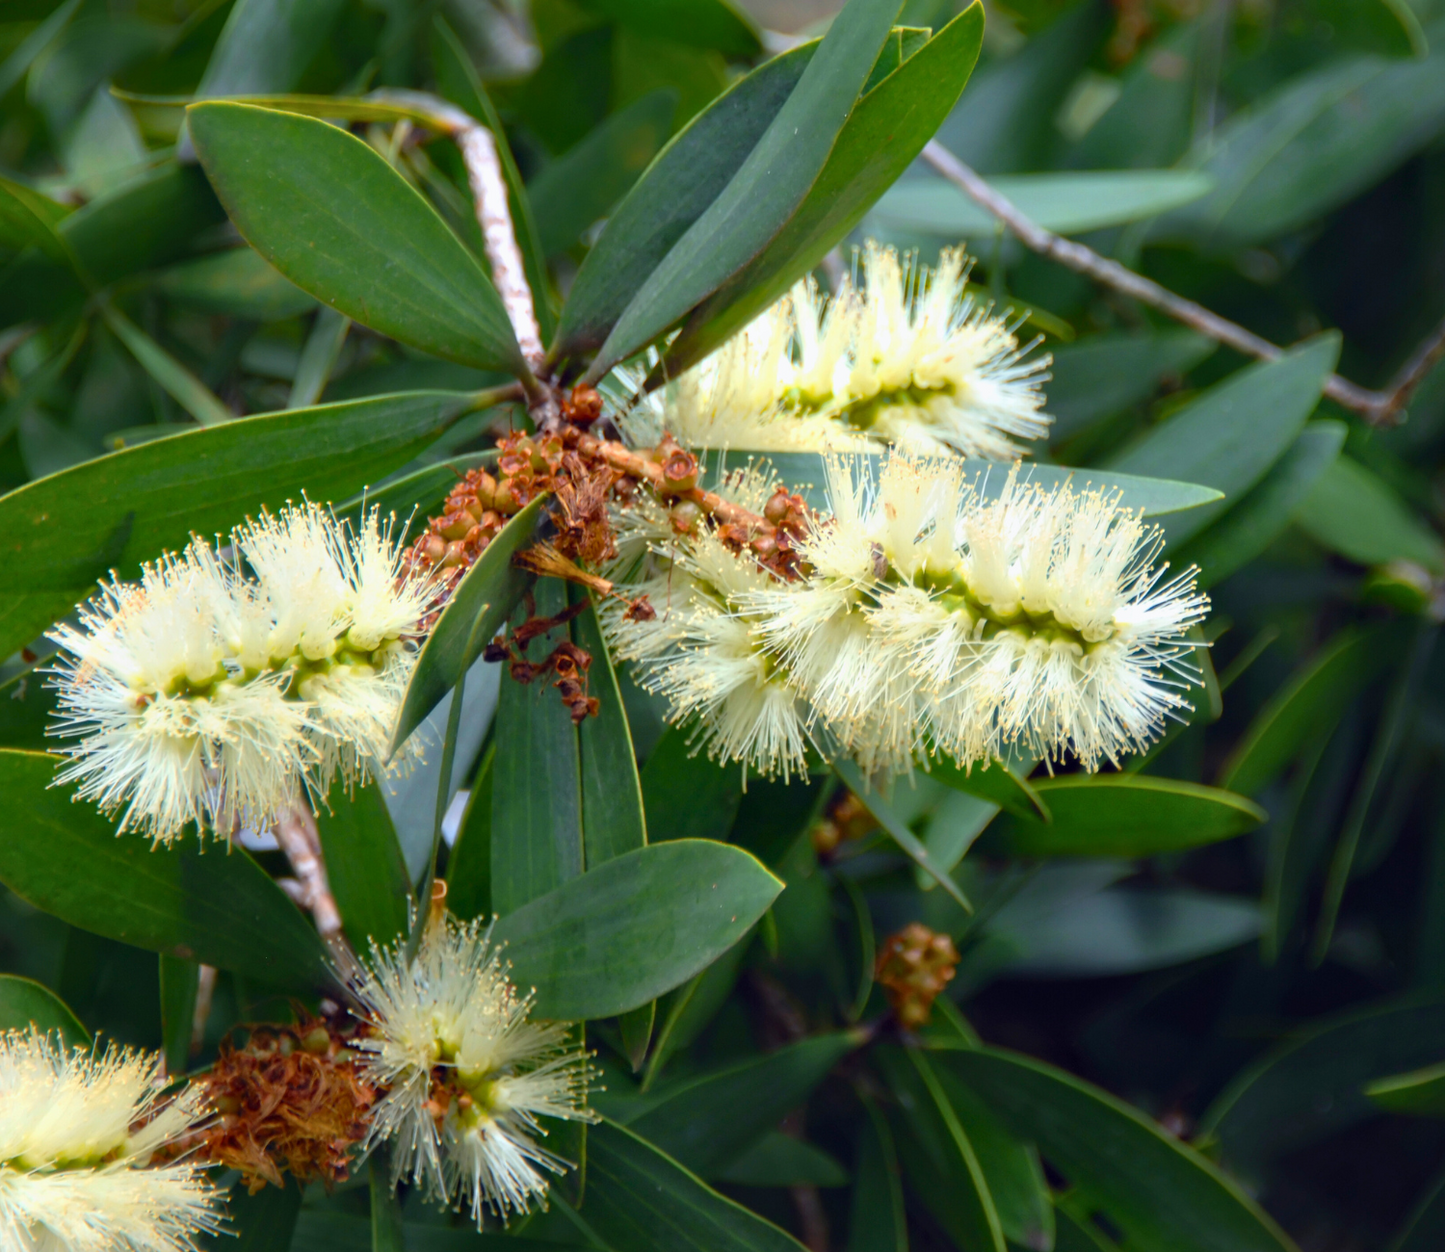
x=1130 y=815
x=877 y=1222
x=239 y=282
x=706 y=1121
x=1106 y=374
x=1160 y=1192
x=583 y=184
x=1351 y=511
x=25 y=1003
x=328 y=212
x=68 y=530
x=640 y=1199
x=1067 y=204
x=267 y=44
x=1314 y=1084
x=365 y=866
x=995 y=782
x=1230 y=436
x=634 y=927
x=766 y=190
x=687 y=795
x=686 y=177
x=212 y=905
x=886 y=131
x=1257 y=520
x=1420 y=1093
x=180 y=985
x=489 y=591
x=613 y=821
x=536 y=830
x=1316 y=696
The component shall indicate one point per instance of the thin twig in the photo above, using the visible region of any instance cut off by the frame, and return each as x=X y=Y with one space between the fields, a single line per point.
x=299 y=839
x=201 y=1014
x=494 y=214
x=638 y=466
x=1379 y=408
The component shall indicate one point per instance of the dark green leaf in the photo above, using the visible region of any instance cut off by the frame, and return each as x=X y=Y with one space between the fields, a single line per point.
x=330 y=213
x=877 y=1222
x=536 y=809
x=706 y=1121
x=1424 y=1229
x=698 y=23
x=612 y=814
x=1130 y=815
x=386 y=1229
x=939 y=1159
x=685 y=794
x=1351 y=511
x=1230 y=436
x=1160 y=1192
x=489 y=591
x=25 y=1003
x=641 y=1200
x=886 y=131
x=116 y=511
x=209 y=904
x=635 y=927
x=1256 y=521
x=174 y=378
x=239 y=282
x=180 y=984
x=1420 y=1093
x=318 y=358
x=687 y=176
x=635 y=1027
x=779 y=1160
x=769 y=186
x=1313 y=1085
x=262 y=1222
x=995 y=782
x=1316 y=696
x=584 y=183
x=1106 y=374
x=365 y=866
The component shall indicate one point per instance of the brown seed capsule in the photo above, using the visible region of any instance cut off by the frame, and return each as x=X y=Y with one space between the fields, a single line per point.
x=504 y=499
x=679 y=473
x=433 y=548
x=684 y=516
x=456 y=554
x=776 y=509
x=456 y=525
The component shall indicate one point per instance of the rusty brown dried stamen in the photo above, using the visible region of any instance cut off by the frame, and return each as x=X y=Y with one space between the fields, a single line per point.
x=913 y=968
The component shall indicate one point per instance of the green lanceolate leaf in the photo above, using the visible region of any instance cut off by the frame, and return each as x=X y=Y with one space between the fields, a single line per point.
x=1420 y=1093
x=1106 y=374
x=1158 y=1191
x=768 y=187
x=205 y=903
x=68 y=530
x=1316 y=696
x=995 y=782
x=1230 y=436
x=640 y=1199
x=25 y=1003
x=1067 y=204
x=580 y=187
x=469 y=868
x=1313 y=1085
x=267 y=44
x=365 y=866
x=180 y=985
x=536 y=830
x=263 y=1222
x=1258 y=519
x=886 y=131
x=330 y=213
x=177 y=381
x=938 y=1155
x=878 y=1222
x=674 y=191
x=1353 y=512
x=779 y=1160
x=697 y=23
x=634 y=927
x=489 y=592
x=1130 y=815
x=704 y=1122
x=612 y=816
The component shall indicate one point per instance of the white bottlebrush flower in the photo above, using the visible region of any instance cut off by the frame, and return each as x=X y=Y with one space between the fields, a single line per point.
x=908 y=358
x=206 y=695
x=467 y=1076
x=77 y=1135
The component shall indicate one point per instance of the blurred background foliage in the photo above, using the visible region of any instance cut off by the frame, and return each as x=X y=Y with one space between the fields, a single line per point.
x=1288 y=162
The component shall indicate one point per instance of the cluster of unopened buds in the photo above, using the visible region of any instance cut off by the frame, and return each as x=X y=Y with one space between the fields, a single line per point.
x=914 y=967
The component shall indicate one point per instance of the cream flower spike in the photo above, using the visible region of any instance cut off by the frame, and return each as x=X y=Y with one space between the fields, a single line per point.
x=78 y=1132
x=201 y=695
x=467 y=1075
